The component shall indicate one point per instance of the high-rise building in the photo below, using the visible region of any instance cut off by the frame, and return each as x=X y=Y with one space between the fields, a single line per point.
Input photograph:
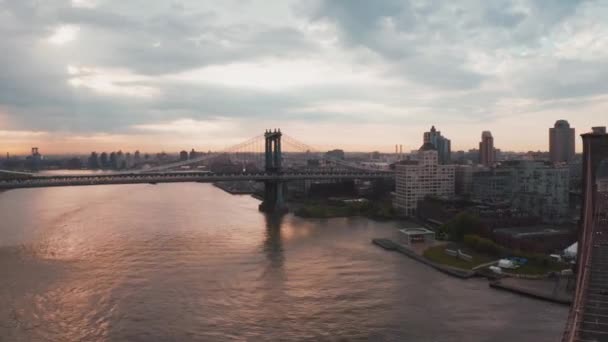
x=441 y=144
x=425 y=177
x=487 y=153
x=561 y=142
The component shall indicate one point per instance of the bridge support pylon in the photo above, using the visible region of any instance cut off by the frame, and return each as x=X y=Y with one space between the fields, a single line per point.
x=274 y=190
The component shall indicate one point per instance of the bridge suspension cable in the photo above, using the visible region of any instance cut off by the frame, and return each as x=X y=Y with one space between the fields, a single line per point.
x=240 y=150
x=303 y=147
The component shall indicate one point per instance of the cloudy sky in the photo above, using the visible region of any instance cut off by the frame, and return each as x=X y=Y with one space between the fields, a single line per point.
x=82 y=75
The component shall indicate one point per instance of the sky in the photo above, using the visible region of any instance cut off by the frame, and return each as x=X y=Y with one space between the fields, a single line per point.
x=94 y=75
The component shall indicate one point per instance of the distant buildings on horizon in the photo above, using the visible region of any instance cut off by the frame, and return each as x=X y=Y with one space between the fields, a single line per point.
x=561 y=142
x=538 y=183
x=442 y=144
x=487 y=153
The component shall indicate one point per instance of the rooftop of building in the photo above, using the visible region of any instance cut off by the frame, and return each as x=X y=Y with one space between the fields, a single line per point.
x=533 y=231
x=596 y=132
x=407 y=162
x=427 y=147
x=416 y=231
x=505 y=165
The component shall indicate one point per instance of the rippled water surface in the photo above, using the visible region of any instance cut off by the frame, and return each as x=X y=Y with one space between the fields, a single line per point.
x=182 y=262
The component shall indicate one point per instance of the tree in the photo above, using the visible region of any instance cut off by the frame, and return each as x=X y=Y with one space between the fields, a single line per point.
x=485 y=246
x=461 y=225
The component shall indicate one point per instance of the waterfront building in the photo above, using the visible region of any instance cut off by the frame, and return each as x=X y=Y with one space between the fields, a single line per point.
x=441 y=144
x=561 y=142
x=424 y=177
x=492 y=185
x=417 y=235
x=535 y=238
x=464 y=178
x=487 y=153
x=538 y=188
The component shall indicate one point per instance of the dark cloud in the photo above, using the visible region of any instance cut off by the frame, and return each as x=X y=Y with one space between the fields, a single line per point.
x=566 y=79
x=360 y=18
x=428 y=42
x=464 y=57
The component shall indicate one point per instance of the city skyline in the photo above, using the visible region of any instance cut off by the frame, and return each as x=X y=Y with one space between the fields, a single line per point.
x=110 y=145
x=396 y=170
x=88 y=75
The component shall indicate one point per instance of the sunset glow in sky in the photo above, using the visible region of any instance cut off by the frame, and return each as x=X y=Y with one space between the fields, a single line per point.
x=84 y=75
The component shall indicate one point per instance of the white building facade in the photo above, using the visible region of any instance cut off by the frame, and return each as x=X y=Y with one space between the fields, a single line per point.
x=425 y=177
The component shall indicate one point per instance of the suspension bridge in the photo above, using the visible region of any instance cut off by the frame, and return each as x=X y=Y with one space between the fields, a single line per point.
x=588 y=319
x=266 y=158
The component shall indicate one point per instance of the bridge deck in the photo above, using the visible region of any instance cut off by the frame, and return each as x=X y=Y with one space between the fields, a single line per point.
x=173 y=177
x=594 y=322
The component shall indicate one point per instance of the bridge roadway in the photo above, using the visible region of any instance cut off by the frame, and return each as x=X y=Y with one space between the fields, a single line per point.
x=589 y=320
x=175 y=177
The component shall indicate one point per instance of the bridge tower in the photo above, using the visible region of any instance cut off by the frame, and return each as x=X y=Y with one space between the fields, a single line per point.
x=274 y=190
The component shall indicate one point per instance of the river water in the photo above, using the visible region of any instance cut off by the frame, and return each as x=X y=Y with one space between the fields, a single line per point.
x=188 y=262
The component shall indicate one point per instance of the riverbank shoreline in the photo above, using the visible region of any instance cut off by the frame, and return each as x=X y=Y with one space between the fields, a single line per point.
x=233 y=191
x=388 y=244
x=540 y=289
x=542 y=292
x=326 y=209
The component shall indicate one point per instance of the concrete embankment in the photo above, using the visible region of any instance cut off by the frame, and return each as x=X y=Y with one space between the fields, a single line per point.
x=393 y=246
x=547 y=290
x=231 y=190
x=544 y=289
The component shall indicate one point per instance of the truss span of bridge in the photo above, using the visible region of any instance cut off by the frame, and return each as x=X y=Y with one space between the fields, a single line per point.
x=176 y=177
